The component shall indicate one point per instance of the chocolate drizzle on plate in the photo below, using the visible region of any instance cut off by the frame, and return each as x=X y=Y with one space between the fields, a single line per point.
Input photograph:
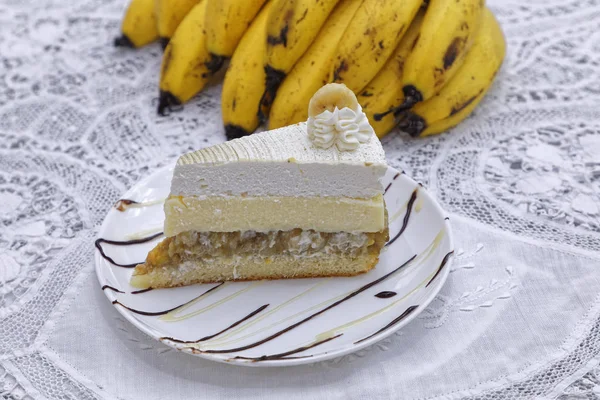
x=114 y=289
x=390 y=184
x=142 y=291
x=444 y=261
x=205 y=338
x=329 y=307
x=122 y=204
x=413 y=197
x=156 y=313
x=284 y=356
x=98 y=244
x=147 y=313
x=405 y=314
x=386 y=294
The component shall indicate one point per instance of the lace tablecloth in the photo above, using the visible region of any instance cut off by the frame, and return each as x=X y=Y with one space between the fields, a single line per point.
x=518 y=318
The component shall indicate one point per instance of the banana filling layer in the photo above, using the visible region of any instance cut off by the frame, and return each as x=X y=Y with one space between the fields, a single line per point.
x=265 y=214
x=297 y=242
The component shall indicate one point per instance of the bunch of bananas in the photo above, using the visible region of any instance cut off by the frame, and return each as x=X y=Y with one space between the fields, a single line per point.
x=422 y=66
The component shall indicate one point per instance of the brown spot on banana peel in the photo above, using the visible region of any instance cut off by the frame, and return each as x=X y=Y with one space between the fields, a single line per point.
x=273 y=79
x=411 y=123
x=167 y=57
x=401 y=31
x=281 y=39
x=302 y=17
x=454 y=49
x=342 y=67
x=414 y=43
x=459 y=107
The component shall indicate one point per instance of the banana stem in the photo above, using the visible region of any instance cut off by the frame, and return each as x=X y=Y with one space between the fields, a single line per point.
x=407 y=104
x=411 y=123
x=123 y=41
x=233 y=131
x=166 y=100
x=164 y=41
x=215 y=63
x=412 y=93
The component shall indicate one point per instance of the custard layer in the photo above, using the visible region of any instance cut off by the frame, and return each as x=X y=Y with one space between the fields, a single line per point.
x=264 y=214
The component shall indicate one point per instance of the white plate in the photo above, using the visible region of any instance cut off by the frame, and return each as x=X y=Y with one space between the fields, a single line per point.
x=282 y=322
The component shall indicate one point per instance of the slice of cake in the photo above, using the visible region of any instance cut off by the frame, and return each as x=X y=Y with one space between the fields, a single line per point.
x=302 y=201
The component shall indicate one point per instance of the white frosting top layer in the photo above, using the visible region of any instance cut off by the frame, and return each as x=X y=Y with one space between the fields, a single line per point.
x=345 y=128
x=281 y=162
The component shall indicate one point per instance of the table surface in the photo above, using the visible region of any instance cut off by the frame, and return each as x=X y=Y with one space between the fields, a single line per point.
x=518 y=318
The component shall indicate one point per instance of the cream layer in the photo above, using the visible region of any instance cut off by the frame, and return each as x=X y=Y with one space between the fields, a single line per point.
x=264 y=214
x=282 y=162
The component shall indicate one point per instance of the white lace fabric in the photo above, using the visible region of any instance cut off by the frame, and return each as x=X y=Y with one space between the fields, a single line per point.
x=519 y=317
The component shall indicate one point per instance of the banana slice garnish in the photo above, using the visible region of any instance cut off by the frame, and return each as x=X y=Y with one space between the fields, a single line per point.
x=331 y=96
x=336 y=118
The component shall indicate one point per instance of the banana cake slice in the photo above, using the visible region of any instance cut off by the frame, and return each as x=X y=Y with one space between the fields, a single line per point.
x=301 y=201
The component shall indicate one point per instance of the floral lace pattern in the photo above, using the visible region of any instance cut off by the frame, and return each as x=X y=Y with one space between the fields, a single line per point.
x=588 y=387
x=10 y=388
x=520 y=179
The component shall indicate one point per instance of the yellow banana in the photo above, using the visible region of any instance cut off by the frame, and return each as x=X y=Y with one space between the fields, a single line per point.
x=466 y=89
x=370 y=39
x=245 y=80
x=139 y=25
x=186 y=65
x=291 y=28
x=384 y=92
x=445 y=38
x=312 y=71
x=169 y=14
x=226 y=22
